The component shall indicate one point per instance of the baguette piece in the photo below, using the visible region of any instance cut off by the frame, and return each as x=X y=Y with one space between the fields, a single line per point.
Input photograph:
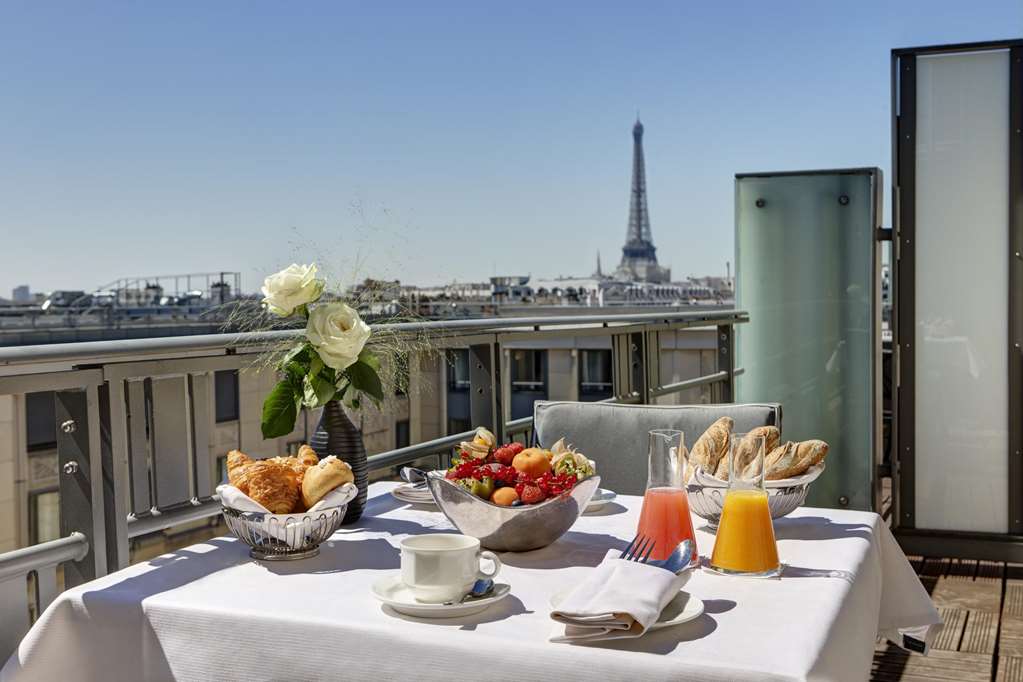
x=793 y=459
x=815 y=450
x=746 y=450
x=327 y=474
x=710 y=448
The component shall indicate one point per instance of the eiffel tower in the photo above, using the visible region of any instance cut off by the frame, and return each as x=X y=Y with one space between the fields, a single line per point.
x=639 y=255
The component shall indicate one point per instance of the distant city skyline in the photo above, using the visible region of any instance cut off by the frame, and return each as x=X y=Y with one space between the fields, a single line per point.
x=395 y=142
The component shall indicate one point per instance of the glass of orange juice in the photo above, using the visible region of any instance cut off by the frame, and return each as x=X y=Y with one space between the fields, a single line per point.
x=745 y=543
x=665 y=516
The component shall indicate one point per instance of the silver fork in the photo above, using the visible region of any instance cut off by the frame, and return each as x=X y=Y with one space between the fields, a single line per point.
x=639 y=549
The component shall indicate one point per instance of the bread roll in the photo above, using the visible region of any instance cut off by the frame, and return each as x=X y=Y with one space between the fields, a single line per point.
x=746 y=451
x=815 y=450
x=307 y=455
x=319 y=480
x=710 y=447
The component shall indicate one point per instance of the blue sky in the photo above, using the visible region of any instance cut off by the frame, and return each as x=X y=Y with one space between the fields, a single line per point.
x=423 y=141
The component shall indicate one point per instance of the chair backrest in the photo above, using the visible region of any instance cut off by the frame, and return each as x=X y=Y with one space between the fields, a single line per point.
x=615 y=436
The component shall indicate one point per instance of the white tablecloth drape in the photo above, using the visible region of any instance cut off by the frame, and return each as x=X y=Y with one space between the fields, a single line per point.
x=208 y=612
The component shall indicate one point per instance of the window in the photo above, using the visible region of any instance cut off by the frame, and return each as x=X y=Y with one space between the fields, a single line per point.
x=44 y=516
x=225 y=385
x=40 y=421
x=458 y=425
x=458 y=369
x=595 y=378
x=401 y=434
x=528 y=370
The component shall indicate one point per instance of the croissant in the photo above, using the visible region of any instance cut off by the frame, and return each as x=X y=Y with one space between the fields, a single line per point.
x=710 y=447
x=236 y=462
x=307 y=455
x=273 y=485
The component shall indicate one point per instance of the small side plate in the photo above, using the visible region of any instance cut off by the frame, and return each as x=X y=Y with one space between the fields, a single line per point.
x=683 y=608
x=393 y=592
x=406 y=493
x=599 y=499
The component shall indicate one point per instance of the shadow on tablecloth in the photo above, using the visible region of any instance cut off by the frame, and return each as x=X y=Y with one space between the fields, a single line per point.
x=574 y=548
x=506 y=608
x=818 y=528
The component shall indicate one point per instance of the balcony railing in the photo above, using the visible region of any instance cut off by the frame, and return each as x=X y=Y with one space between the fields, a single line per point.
x=133 y=424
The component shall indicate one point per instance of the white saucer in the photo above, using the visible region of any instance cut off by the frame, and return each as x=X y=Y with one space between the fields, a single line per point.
x=599 y=499
x=391 y=591
x=405 y=493
x=683 y=608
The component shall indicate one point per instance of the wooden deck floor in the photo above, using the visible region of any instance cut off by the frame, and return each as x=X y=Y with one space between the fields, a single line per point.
x=982 y=605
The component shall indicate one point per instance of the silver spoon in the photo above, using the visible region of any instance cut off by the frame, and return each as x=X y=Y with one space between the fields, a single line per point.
x=480 y=589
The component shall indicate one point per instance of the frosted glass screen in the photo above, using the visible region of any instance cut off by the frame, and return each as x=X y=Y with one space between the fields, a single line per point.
x=961 y=283
x=805 y=272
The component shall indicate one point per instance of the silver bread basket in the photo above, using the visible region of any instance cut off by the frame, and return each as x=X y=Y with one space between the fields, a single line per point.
x=707 y=494
x=281 y=537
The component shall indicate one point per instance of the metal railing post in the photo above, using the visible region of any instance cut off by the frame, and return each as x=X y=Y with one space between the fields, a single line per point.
x=726 y=362
x=485 y=388
x=81 y=479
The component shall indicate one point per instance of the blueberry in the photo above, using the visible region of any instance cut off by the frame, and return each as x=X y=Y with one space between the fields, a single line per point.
x=517 y=503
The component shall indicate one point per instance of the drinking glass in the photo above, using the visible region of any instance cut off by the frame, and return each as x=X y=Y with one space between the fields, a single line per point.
x=665 y=516
x=745 y=543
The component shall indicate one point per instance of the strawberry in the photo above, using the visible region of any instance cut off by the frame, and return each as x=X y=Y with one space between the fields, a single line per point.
x=516 y=448
x=504 y=455
x=532 y=494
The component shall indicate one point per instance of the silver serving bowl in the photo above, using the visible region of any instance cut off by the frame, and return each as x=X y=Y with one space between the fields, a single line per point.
x=280 y=537
x=707 y=496
x=512 y=529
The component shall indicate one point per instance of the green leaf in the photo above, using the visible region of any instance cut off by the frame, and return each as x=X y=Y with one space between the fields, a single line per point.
x=315 y=364
x=368 y=357
x=297 y=354
x=364 y=378
x=280 y=410
x=295 y=373
x=317 y=391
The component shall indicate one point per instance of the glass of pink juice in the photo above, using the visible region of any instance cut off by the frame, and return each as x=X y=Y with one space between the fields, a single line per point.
x=665 y=516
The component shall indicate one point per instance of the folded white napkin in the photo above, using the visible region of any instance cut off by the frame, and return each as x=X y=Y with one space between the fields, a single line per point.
x=277 y=525
x=619 y=599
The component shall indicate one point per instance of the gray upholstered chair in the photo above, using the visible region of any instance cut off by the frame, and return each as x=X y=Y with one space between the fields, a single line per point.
x=615 y=436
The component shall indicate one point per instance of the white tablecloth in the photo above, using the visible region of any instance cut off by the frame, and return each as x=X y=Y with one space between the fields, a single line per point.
x=210 y=612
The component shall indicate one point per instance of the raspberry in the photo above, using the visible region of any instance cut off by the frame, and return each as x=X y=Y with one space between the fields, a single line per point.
x=532 y=494
x=504 y=455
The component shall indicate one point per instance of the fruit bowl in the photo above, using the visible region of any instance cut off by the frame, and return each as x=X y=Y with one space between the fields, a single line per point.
x=512 y=529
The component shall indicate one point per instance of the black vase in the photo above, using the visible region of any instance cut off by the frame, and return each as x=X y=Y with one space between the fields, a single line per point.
x=336 y=435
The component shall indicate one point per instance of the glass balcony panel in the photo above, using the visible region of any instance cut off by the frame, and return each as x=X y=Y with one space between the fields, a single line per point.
x=961 y=433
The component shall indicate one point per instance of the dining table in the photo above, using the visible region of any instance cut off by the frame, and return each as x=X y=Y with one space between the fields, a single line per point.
x=210 y=612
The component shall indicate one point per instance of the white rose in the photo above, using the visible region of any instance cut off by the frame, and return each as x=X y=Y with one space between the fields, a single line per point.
x=338 y=334
x=293 y=286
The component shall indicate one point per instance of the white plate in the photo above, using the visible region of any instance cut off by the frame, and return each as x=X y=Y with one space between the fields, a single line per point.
x=405 y=493
x=391 y=591
x=599 y=499
x=683 y=608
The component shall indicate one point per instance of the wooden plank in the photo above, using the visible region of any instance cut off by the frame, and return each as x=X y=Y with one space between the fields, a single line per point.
x=950 y=635
x=992 y=571
x=980 y=633
x=961 y=569
x=934 y=567
x=1010 y=669
x=969 y=595
x=956 y=666
x=1011 y=634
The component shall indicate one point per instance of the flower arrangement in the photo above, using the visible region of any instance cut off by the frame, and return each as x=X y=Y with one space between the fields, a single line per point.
x=330 y=361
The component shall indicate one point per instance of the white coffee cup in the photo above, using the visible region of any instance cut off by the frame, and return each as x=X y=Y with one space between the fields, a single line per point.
x=442 y=567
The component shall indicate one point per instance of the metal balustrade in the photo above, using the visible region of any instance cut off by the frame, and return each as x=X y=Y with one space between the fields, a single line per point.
x=133 y=422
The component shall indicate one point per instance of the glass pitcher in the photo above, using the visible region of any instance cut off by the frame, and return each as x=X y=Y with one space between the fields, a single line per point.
x=745 y=543
x=665 y=517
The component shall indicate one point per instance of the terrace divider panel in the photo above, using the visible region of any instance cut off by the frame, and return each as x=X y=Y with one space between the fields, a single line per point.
x=808 y=272
x=958 y=182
